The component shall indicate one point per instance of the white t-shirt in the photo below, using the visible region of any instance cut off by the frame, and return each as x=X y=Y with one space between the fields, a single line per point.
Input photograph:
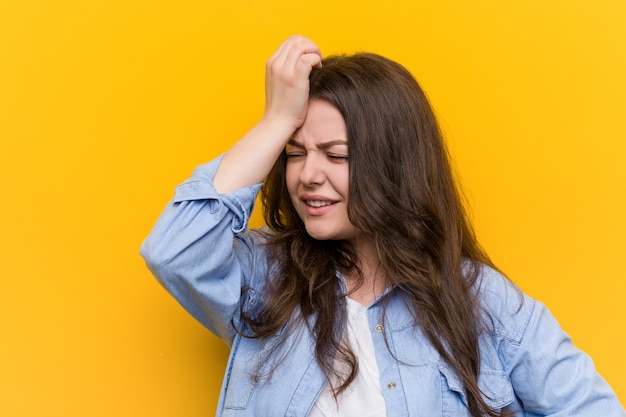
x=363 y=398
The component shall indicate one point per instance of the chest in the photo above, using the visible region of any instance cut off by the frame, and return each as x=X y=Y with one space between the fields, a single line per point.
x=264 y=378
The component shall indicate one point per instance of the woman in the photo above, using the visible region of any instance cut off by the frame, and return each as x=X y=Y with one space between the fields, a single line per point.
x=367 y=294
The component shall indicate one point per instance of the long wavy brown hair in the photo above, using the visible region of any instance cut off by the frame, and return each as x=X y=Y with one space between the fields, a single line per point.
x=403 y=196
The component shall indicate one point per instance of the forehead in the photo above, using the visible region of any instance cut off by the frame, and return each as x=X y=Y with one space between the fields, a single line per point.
x=323 y=123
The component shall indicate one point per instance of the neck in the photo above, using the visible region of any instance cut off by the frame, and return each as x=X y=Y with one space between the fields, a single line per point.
x=373 y=275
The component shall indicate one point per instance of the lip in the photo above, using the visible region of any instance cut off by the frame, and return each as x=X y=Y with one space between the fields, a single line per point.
x=316 y=211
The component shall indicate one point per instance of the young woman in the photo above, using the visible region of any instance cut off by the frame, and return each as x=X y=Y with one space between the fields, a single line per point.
x=367 y=294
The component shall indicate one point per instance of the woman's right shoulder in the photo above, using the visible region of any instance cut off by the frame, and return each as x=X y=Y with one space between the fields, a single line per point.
x=257 y=242
x=259 y=238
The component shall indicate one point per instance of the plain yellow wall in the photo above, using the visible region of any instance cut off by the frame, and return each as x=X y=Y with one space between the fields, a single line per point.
x=105 y=105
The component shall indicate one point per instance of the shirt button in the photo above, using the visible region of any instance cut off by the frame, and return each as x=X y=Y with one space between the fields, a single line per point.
x=379 y=328
x=391 y=385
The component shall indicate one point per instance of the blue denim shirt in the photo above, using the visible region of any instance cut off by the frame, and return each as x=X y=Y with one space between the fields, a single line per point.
x=201 y=251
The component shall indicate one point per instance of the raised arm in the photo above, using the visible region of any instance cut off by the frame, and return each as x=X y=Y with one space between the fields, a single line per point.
x=196 y=249
x=286 y=99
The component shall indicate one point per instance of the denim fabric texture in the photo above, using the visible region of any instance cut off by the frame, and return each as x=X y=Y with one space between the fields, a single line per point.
x=201 y=251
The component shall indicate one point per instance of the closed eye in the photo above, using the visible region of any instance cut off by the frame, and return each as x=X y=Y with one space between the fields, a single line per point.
x=337 y=158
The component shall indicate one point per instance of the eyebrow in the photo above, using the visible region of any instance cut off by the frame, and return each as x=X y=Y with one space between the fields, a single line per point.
x=322 y=146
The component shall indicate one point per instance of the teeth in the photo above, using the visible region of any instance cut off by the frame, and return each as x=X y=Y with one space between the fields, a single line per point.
x=318 y=203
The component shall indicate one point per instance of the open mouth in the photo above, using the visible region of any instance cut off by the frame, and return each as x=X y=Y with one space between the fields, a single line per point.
x=318 y=203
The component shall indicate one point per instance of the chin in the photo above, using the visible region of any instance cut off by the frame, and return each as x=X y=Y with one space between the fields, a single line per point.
x=318 y=234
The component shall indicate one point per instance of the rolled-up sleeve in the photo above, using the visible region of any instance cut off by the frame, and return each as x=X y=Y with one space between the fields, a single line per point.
x=199 y=252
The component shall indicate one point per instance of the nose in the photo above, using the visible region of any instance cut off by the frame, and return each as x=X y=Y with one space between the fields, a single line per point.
x=312 y=172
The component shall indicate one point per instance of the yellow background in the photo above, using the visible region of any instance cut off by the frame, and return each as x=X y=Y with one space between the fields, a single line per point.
x=105 y=105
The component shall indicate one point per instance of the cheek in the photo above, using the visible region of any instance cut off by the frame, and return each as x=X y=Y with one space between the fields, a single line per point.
x=342 y=182
x=291 y=178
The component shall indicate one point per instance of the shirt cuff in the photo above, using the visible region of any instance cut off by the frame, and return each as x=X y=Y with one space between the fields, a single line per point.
x=200 y=187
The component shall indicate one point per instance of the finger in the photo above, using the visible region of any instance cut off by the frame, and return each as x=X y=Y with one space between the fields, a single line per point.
x=313 y=60
x=297 y=48
x=280 y=53
x=305 y=64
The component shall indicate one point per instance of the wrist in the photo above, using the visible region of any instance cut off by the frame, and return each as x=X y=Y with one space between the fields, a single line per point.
x=279 y=127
